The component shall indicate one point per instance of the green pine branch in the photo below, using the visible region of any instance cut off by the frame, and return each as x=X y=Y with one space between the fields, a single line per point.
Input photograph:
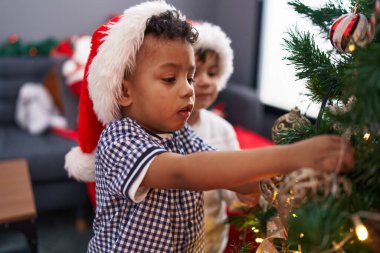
x=321 y=17
x=312 y=64
x=362 y=81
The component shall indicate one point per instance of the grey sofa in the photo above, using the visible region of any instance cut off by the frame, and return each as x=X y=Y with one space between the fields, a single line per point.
x=242 y=107
x=44 y=153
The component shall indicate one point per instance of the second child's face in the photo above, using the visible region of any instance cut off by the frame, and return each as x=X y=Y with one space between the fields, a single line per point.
x=206 y=80
x=159 y=94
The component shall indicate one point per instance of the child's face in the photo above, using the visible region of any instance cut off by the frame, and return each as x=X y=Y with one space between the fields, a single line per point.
x=159 y=94
x=206 y=78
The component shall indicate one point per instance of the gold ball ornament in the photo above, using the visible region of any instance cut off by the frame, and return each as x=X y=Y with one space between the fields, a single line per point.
x=307 y=184
x=270 y=187
x=293 y=119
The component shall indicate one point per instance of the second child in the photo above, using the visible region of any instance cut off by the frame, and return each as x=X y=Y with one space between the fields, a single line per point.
x=214 y=66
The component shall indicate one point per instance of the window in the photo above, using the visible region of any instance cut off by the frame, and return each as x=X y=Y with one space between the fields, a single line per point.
x=277 y=84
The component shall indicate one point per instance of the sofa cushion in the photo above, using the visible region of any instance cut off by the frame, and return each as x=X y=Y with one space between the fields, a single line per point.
x=14 y=72
x=44 y=153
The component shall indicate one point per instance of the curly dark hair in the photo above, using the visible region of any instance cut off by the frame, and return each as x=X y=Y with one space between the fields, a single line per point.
x=202 y=53
x=169 y=25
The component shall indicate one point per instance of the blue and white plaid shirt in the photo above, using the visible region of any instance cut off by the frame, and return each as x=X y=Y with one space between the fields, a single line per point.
x=130 y=218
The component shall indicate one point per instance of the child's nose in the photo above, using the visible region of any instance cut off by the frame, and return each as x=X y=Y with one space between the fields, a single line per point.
x=187 y=89
x=202 y=80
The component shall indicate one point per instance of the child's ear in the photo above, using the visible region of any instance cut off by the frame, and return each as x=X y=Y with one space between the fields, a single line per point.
x=126 y=98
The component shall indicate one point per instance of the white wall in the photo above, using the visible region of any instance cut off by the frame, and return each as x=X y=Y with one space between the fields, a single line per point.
x=39 y=19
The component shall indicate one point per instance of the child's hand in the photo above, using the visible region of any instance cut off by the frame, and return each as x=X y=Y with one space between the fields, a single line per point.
x=325 y=152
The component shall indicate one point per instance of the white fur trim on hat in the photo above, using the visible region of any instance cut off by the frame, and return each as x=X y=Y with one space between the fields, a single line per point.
x=79 y=165
x=116 y=54
x=212 y=37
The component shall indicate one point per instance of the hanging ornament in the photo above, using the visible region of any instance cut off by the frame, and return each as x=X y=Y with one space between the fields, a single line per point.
x=269 y=187
x=266 y=247
x=300 y=186
x=353 y=29
x=276 y=229
x=309 y=184
x=293 y=119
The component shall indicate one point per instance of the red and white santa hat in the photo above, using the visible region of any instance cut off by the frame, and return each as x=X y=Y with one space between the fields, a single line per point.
x=114 y=46
x=213 y=38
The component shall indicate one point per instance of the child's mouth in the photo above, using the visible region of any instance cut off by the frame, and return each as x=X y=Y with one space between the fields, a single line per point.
x=185 y=111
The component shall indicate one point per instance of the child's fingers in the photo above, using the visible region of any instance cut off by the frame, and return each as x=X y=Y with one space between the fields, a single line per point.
x=332 y=142
x=331 y=153
x=349 y=159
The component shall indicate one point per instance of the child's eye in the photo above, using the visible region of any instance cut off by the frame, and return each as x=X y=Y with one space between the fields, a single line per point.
x=169 y=79
x=190 y=81
x=212 y=74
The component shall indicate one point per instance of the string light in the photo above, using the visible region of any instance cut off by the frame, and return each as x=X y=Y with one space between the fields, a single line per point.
x=366 y=136
x=351 y=47
x=360 y=230
x=259 y=240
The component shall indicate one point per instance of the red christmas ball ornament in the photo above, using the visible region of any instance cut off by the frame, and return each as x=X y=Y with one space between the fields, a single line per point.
x=349 y=30
x=13 y=38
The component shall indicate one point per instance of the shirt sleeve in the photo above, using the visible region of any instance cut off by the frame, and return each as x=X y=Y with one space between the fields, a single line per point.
x=132 y=184
x=125 y=163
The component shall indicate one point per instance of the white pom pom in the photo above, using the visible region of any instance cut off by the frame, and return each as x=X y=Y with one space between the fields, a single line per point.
x=79 y=165
x=68 y=68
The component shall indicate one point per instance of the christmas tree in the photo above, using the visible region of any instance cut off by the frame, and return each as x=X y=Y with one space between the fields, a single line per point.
x=310 y=211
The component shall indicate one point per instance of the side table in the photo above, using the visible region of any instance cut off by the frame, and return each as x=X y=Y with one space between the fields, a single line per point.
x=17 y=206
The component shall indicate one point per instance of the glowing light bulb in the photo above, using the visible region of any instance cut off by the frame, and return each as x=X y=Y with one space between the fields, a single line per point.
x=360 y=230
x=259 y=240
x=351 y=47
x=366 y=136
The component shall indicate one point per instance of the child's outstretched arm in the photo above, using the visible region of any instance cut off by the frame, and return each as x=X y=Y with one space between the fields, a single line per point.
x=229 y=169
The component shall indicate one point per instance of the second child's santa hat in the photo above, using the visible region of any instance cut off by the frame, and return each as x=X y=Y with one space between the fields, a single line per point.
x=114 y=46
x=213 y=38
